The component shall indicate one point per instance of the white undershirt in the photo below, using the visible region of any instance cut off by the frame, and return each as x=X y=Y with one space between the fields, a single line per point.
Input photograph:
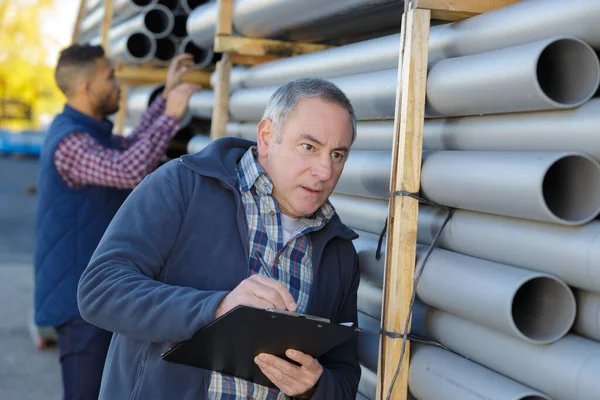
x=288 y=226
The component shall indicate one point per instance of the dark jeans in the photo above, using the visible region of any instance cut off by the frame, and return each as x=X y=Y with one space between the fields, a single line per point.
x=83 y=349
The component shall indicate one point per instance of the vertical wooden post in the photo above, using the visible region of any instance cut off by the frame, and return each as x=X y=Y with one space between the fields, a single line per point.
x=106 y=23
x=80 y=15
x=122 y=113
x=220 y=114
x=403 y=210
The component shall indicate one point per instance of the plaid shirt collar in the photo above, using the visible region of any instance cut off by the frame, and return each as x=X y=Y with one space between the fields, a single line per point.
x=252 y=175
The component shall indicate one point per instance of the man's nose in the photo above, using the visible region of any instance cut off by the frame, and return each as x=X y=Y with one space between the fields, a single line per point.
x=323 y=169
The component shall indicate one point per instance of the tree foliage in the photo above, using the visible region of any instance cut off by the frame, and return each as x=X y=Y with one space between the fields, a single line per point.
x=25 y=72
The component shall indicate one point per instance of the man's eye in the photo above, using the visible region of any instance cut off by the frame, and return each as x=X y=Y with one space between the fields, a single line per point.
x=307 y=146
x=336 y=155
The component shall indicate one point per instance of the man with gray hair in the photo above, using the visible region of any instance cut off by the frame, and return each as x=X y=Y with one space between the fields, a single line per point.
x=239 y=223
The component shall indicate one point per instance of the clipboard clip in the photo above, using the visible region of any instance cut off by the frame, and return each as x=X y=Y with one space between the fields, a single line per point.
x=294 y=314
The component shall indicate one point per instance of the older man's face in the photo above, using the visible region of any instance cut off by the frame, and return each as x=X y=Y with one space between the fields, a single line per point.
x=306 y=164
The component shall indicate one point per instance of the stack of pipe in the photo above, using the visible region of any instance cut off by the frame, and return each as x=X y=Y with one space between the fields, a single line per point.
x=145 y=31
x=510 y=144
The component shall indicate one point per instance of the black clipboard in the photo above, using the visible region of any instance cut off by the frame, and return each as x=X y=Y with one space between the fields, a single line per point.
x=230 y=343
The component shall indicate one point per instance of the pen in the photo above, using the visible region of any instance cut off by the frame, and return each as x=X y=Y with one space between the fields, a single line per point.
x=264 y=265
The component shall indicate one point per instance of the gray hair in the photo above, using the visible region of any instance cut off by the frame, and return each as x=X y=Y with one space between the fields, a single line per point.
x=283 y=102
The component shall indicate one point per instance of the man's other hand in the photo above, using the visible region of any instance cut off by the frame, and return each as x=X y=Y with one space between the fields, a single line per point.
x=259 y=292
x=178 y=99
x=292 y=380
x=179 y=66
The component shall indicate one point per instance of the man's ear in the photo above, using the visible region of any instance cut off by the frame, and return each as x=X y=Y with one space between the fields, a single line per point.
x=265 y=137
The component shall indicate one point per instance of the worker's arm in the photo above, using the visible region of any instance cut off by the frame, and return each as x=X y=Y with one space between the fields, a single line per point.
x=119 y=290
x=80 y=160
x=144 y=125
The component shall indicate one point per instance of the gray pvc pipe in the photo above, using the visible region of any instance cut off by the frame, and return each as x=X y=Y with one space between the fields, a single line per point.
x=368 y=383
x=565 y=370
x=122 y=10
x=570 y=253
x=370 y=135
x=157 y=22
x=562 y=188
x=437 y=374
x=360 y=213
x=371 y=268
x=197 y=143
x=357 y=58
x=588 y=314
x=553 y=187
x=373 y=96
x=369 y=298
x=136 y=48
x=201 y=104
x=514 y=25
x=368 y=341
x=190 y=5
x=532 y=306
x=549 y=74
x=141 y=97
x=561 y=130
x=203 y=56
x=261 y=18
x=367 y=174
x=360 y=396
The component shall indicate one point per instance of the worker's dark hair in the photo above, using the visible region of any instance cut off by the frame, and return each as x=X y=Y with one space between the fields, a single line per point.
x=75 y=59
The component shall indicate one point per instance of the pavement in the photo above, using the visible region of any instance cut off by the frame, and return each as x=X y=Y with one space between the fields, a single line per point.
x=26 y=373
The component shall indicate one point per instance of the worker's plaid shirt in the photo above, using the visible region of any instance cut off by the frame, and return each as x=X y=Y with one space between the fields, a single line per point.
x=291 y=263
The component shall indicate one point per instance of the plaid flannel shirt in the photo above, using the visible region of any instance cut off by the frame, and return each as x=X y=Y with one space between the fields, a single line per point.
x=290 y=263
x=80 y=160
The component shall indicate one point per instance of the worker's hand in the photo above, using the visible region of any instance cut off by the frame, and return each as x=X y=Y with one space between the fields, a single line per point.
x=178 y=99
x=290 y=379
x=179 y=66
x=259 y=292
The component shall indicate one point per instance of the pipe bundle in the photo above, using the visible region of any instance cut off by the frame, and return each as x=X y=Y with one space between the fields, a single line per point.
x=145 y=31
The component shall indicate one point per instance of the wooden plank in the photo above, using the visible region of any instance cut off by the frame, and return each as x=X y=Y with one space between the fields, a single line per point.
x=264 y=47
x=106 y=23
x=220 y=114
x=225 y=20
x=403 y=210
x=80 y=15
x=455 y=10
x=122 y=113
x=250 y=60
x=145 y=75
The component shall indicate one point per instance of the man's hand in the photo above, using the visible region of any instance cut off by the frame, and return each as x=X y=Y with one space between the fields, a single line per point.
x=292 y=380
x=177 y=101
x=259 y=292
x=179 y=66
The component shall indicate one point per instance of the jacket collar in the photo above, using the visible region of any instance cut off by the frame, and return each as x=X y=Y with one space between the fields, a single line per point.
x=220 y=160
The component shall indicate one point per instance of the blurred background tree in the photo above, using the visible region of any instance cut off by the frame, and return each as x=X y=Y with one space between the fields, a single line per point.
x=26 y=63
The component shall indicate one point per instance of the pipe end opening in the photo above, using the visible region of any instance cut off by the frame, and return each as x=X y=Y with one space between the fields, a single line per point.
x=568 y=72
x=157 y=21
x=571 y=189
x=202 y=56
x=543 y=309
x=165 y=49
x=139 y=45
x=180 y=28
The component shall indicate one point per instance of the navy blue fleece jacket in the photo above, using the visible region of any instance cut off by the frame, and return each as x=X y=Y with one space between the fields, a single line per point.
x=176 y=248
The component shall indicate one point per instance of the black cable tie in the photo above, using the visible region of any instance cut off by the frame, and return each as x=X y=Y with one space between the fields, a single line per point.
x=380 y=242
